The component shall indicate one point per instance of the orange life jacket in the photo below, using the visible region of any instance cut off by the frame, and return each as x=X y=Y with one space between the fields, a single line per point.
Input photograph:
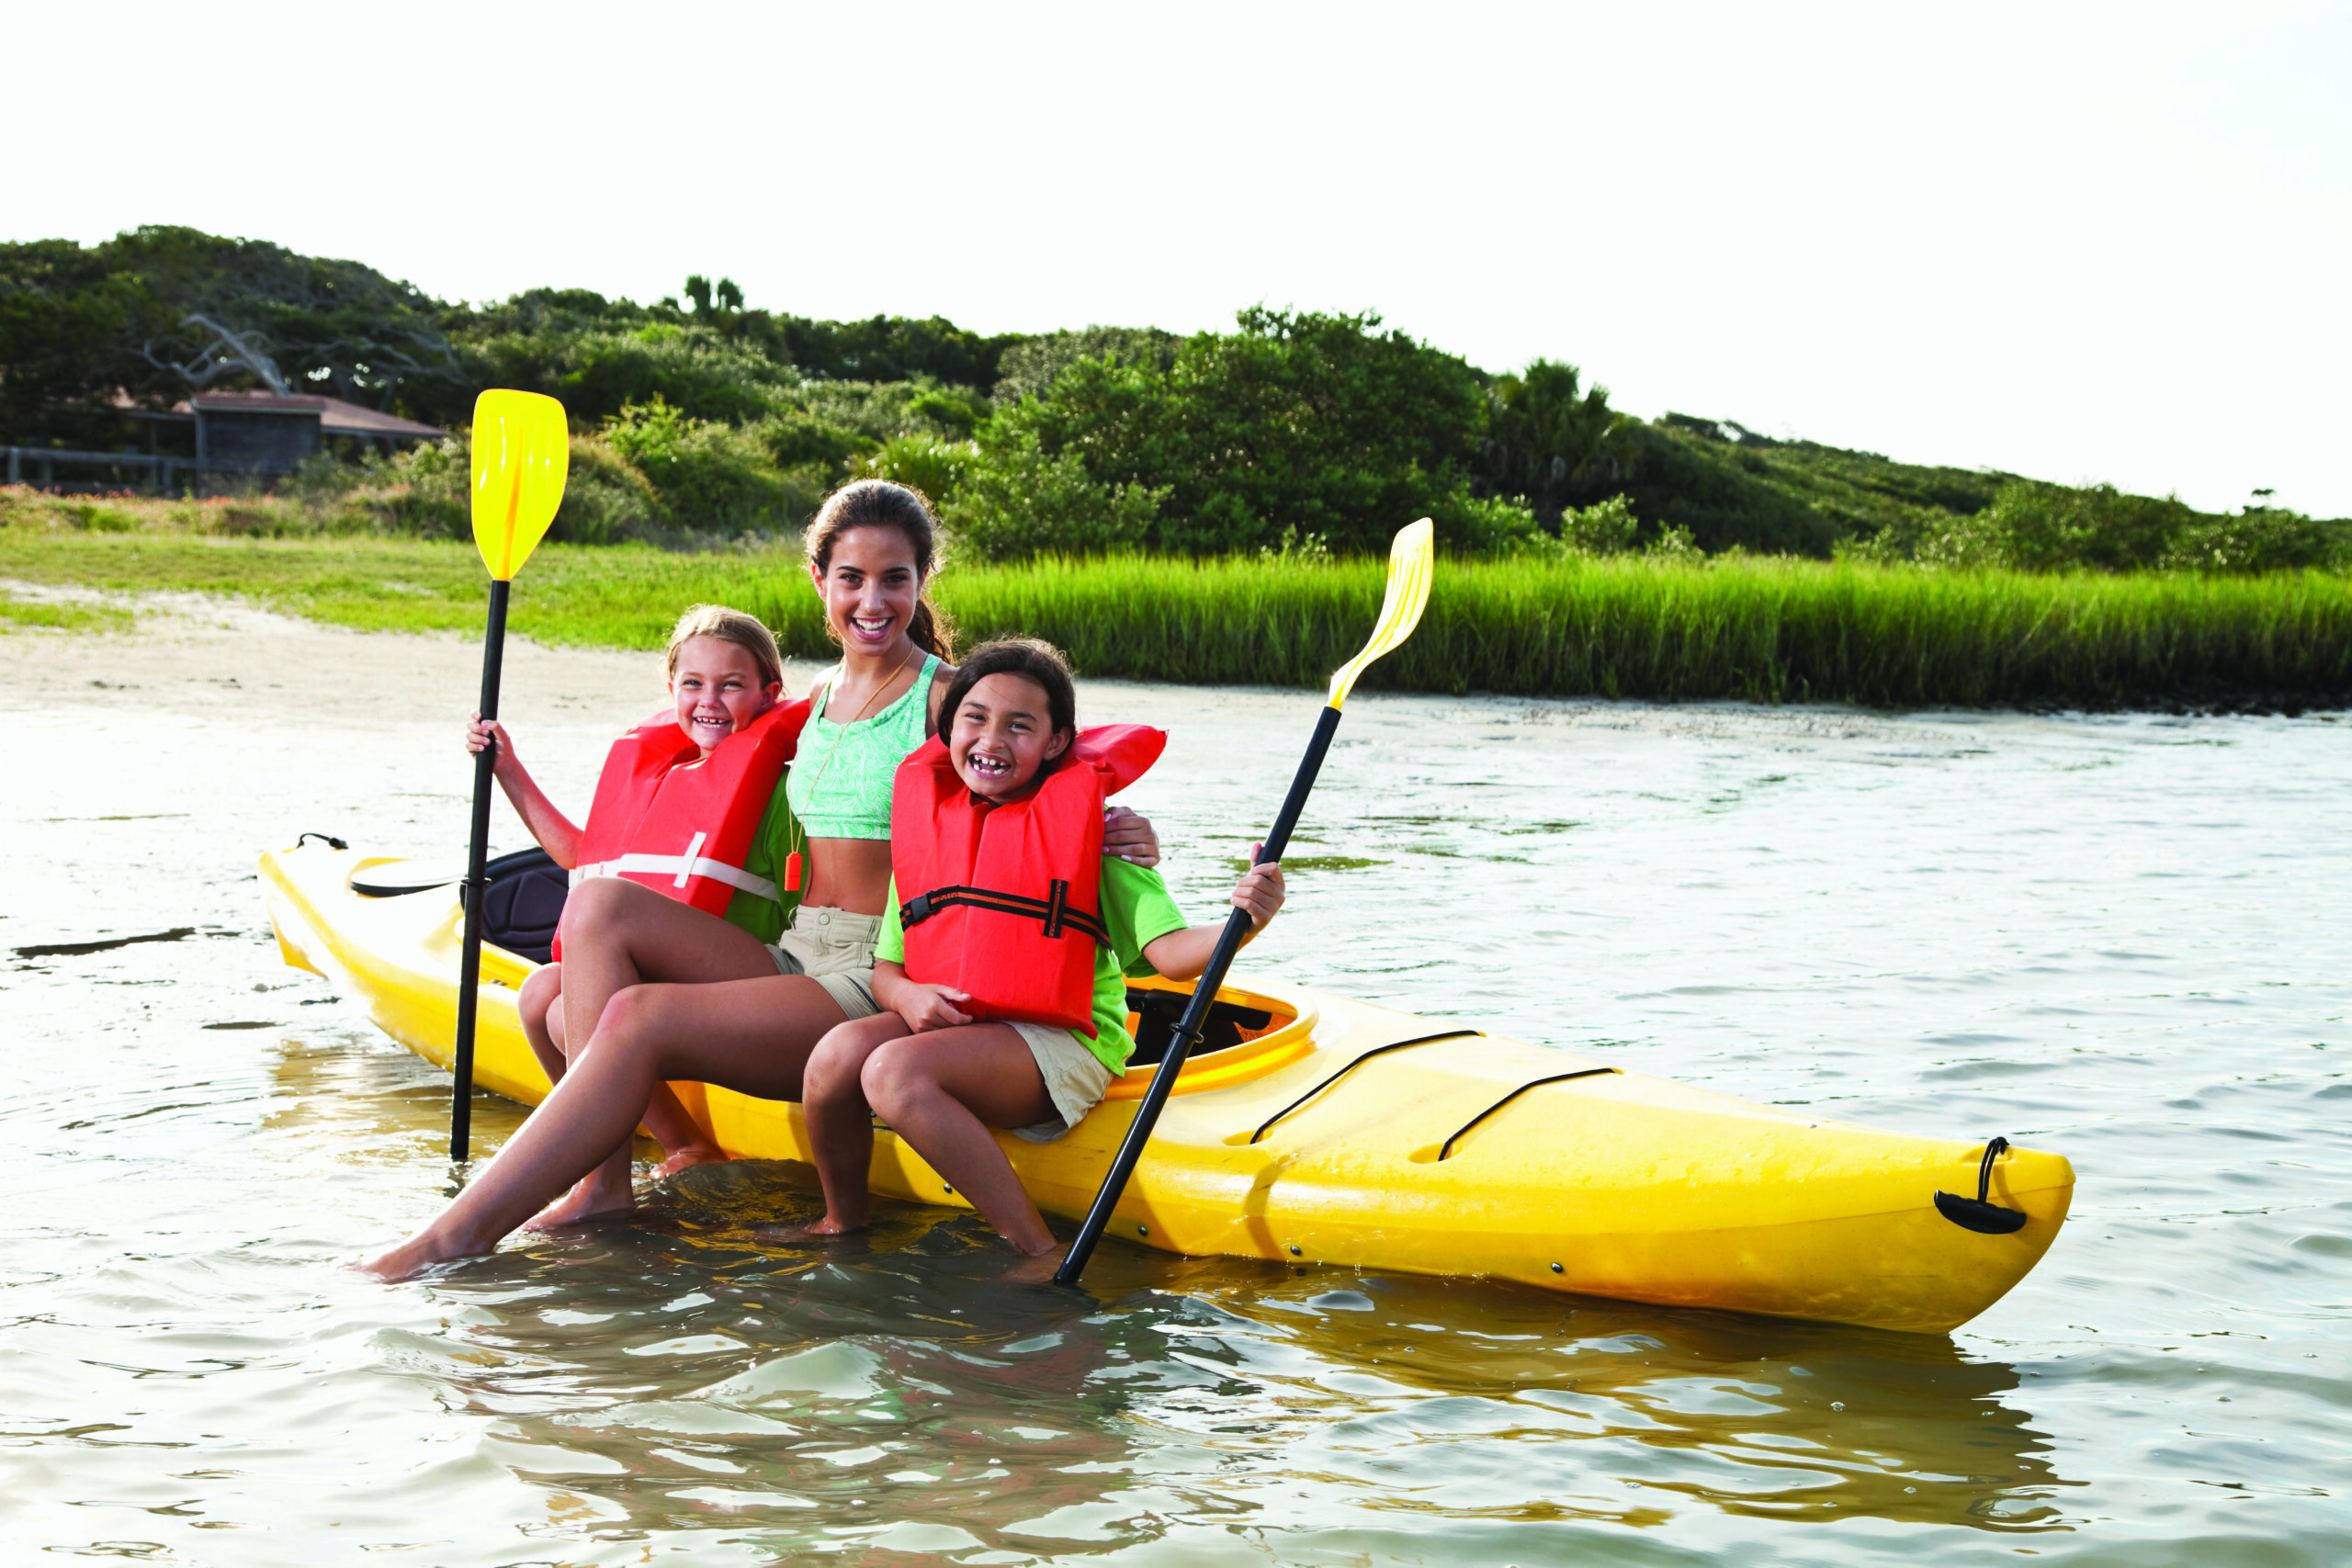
x=1004 y=902
x=680 y=822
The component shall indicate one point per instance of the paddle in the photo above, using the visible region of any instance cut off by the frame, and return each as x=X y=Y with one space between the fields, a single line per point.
x=522 y=448
x=1409 y=566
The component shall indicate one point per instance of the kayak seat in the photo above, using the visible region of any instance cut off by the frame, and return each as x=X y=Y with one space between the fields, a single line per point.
x=523 y=903
x=1157 y=1012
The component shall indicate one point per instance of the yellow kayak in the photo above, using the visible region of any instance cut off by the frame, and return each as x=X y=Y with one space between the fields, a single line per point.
x=1348 y=1133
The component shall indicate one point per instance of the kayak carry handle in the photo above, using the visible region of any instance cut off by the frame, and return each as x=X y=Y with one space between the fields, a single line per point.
x=1976 y=1213
x=328 y=838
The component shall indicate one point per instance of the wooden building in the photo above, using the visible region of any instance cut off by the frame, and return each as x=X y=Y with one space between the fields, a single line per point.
x=261 y=433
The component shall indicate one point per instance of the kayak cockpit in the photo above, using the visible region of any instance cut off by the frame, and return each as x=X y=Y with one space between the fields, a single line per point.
x=1249 y=1035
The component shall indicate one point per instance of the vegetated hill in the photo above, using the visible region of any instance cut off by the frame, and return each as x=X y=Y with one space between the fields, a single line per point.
x=701 y=418
x=1730 y=485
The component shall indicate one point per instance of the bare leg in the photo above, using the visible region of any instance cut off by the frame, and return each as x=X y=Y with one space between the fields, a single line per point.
x=618 y=934
x=941 y=1092
x=539 y=1005
x=840 y=1124
x=749 y=1035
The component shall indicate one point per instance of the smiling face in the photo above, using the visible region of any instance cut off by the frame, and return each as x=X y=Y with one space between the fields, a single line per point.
x=1001 y=735
x=716 y=690
x=870 y=585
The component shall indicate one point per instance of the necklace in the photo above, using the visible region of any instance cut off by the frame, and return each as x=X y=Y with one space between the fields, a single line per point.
x=800 y=835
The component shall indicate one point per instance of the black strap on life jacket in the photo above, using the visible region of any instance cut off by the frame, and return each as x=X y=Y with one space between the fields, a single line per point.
x=1053 y=910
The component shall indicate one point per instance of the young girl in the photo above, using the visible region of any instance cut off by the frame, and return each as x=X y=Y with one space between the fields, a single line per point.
x=724 y=672
x=667 y=992
x=942 y=1078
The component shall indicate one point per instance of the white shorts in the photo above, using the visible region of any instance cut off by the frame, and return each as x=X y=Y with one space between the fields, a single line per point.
x=1075 y=1078
x=835 y=949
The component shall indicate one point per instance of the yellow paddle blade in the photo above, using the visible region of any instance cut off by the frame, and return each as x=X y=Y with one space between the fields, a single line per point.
x=1411 y=562
x=522 y=450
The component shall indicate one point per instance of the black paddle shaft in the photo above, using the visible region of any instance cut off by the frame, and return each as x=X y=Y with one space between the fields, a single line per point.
x=1188 y=1028
x=470 y=891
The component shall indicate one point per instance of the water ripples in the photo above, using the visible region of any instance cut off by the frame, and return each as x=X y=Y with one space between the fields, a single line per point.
x=2123 y=938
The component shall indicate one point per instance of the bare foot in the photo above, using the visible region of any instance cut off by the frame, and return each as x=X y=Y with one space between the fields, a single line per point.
x=412 y=1257
x=1039 y=1269
x=815 y=1230
x=586 y=1202
x=692 y=1154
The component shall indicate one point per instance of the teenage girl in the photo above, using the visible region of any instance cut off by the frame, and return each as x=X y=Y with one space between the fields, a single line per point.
x=724 y=673
x=942 y=1079
x=662 y=991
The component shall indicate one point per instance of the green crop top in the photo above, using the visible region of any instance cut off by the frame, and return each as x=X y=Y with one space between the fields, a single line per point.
x=840 y=781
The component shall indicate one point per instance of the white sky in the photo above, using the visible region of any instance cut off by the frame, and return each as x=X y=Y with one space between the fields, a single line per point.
x=2081 y=242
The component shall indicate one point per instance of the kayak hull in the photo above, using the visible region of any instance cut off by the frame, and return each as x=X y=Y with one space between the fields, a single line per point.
x=1350 y=1134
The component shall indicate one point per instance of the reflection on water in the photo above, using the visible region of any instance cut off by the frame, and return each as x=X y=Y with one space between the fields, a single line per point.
x=1928 y=923
x=684 y=1367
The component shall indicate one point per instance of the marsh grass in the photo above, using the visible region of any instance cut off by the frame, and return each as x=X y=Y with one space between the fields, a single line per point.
x=1761 y=629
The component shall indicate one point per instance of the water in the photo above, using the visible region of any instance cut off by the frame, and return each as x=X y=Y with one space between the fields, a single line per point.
x=2121 y=938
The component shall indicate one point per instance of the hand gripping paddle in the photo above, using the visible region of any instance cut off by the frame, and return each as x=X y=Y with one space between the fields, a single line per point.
x=522 y=448
x=1410 y=563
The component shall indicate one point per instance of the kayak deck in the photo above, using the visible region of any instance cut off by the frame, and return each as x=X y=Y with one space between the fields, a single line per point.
x=1350 y=1134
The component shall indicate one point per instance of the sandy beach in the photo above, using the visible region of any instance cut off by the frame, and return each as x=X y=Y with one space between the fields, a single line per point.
x=217 y=657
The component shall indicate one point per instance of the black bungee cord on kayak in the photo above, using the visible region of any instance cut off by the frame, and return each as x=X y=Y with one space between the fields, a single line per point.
x=1445 y=1150
x=1352 y=1067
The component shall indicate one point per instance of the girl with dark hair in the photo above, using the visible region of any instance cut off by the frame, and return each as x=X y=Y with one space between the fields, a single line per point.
x=660 y=991
x=990 y=1018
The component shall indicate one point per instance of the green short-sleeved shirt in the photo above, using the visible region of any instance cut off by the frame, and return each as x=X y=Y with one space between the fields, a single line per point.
x=766 y=917
x=1137 y=911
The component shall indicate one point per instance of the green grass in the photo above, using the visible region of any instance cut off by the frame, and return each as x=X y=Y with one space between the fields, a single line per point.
x=1764 y=629
x=17 y=615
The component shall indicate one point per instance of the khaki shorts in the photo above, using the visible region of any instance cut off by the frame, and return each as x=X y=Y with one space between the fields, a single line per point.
x=1075 y=1078
x=835 y=949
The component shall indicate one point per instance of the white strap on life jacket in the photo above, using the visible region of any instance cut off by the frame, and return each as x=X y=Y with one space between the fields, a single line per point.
x=690 y=864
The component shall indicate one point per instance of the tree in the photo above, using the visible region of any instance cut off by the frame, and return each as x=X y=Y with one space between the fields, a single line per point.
x=338 y=327
x=1547 y=439
x=1317 y=423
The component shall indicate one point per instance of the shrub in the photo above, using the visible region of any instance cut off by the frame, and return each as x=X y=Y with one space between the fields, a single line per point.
x=925 y=463
x=2042 y=527
x=1478 y=525
x=605 y=500
x=2261 y=539
x=1022 y=501
x=1677 y=545
x=600 y=374
x=1030 y=368
x=98 y=518
x=710 y=477
x=1298 y=420
x=798 y=439
x=1605 y=528
x=439 y=502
